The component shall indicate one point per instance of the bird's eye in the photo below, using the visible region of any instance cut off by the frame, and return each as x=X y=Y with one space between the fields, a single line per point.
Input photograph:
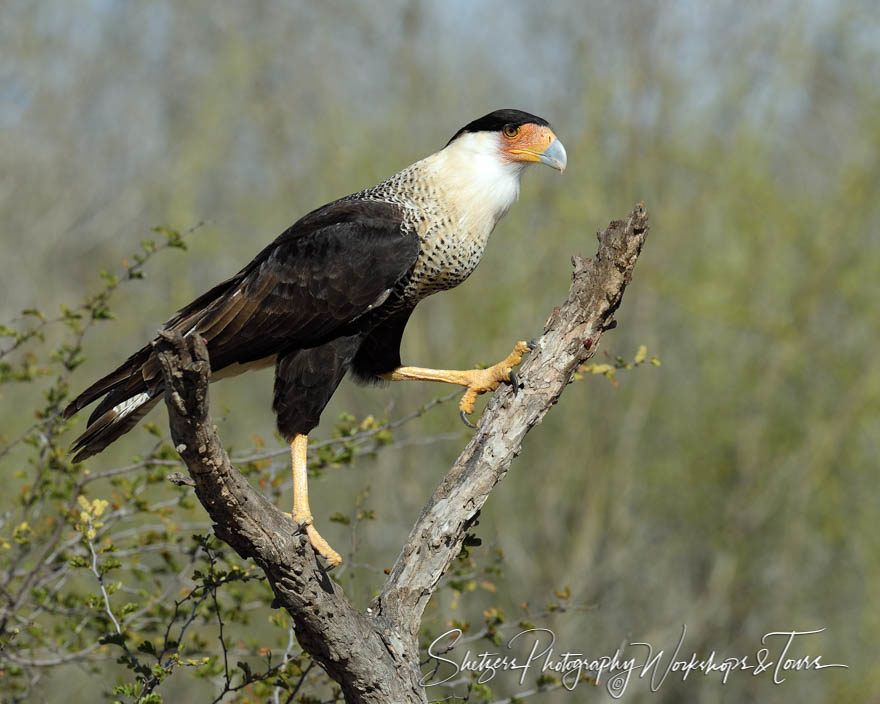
x=510 y=131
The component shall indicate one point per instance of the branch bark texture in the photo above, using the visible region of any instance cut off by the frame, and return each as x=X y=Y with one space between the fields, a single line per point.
x=374 y=655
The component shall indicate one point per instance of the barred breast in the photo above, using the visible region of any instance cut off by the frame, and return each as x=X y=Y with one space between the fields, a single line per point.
x=453 y=227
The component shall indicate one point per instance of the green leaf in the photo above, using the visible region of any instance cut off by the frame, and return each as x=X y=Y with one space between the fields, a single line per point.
x=110 y=279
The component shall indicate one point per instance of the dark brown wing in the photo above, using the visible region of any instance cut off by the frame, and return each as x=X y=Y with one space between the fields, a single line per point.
x=326 y=271
x=310 y=285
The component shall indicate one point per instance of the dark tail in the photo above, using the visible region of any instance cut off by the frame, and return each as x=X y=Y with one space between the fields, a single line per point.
x=129 y=393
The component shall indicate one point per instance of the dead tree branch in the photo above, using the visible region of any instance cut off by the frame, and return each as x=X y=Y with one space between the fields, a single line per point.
x=374 y=655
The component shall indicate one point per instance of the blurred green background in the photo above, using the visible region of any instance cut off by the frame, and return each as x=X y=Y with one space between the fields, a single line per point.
x=732 y=489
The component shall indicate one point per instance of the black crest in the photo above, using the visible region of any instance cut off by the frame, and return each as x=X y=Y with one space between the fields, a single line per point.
x=495 y=121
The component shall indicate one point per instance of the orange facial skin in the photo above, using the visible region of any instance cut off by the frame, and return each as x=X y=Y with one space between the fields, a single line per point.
x=533 y=143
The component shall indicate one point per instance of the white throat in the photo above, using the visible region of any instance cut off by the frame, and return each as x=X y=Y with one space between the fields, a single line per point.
x=476 y=179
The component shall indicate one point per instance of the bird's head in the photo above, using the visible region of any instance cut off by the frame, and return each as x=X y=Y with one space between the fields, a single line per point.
x=514 y=137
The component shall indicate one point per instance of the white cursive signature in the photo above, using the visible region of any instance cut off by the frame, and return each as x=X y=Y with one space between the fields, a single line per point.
x=534 y=651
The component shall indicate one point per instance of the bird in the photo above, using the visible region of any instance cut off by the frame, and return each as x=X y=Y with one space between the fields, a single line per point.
x=333 y=293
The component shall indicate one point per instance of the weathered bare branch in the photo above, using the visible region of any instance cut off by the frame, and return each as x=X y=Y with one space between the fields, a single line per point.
x=344 y=641
x=570 y=337
x=374 y=655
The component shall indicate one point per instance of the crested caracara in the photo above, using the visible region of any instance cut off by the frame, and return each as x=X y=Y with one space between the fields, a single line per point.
x=333 y=292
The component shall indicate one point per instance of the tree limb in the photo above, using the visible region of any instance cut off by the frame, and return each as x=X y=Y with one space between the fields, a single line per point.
x=570 y=337
x=374 y=656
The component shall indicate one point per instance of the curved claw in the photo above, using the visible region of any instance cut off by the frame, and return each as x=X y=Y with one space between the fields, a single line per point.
x=514 y=382
x=532 y=344
x=466 y=420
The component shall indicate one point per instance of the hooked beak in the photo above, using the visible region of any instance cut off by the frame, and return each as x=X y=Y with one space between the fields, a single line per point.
x=554 y=156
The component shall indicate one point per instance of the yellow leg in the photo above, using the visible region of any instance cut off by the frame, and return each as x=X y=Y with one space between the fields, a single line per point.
x=477 y=381
x=301 y=512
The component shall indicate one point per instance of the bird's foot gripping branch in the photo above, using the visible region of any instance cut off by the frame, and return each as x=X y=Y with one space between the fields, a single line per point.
x=476 y=381
x=374 y=654
x=489 y=379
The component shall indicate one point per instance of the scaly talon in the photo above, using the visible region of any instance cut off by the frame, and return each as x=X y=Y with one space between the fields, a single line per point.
x=319 y=545
x=322 y=547
x=480 y=381
x=303 y=521
x=476 y=381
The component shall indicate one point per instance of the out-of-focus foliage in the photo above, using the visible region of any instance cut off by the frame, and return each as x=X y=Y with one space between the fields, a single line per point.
x=732 y=489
